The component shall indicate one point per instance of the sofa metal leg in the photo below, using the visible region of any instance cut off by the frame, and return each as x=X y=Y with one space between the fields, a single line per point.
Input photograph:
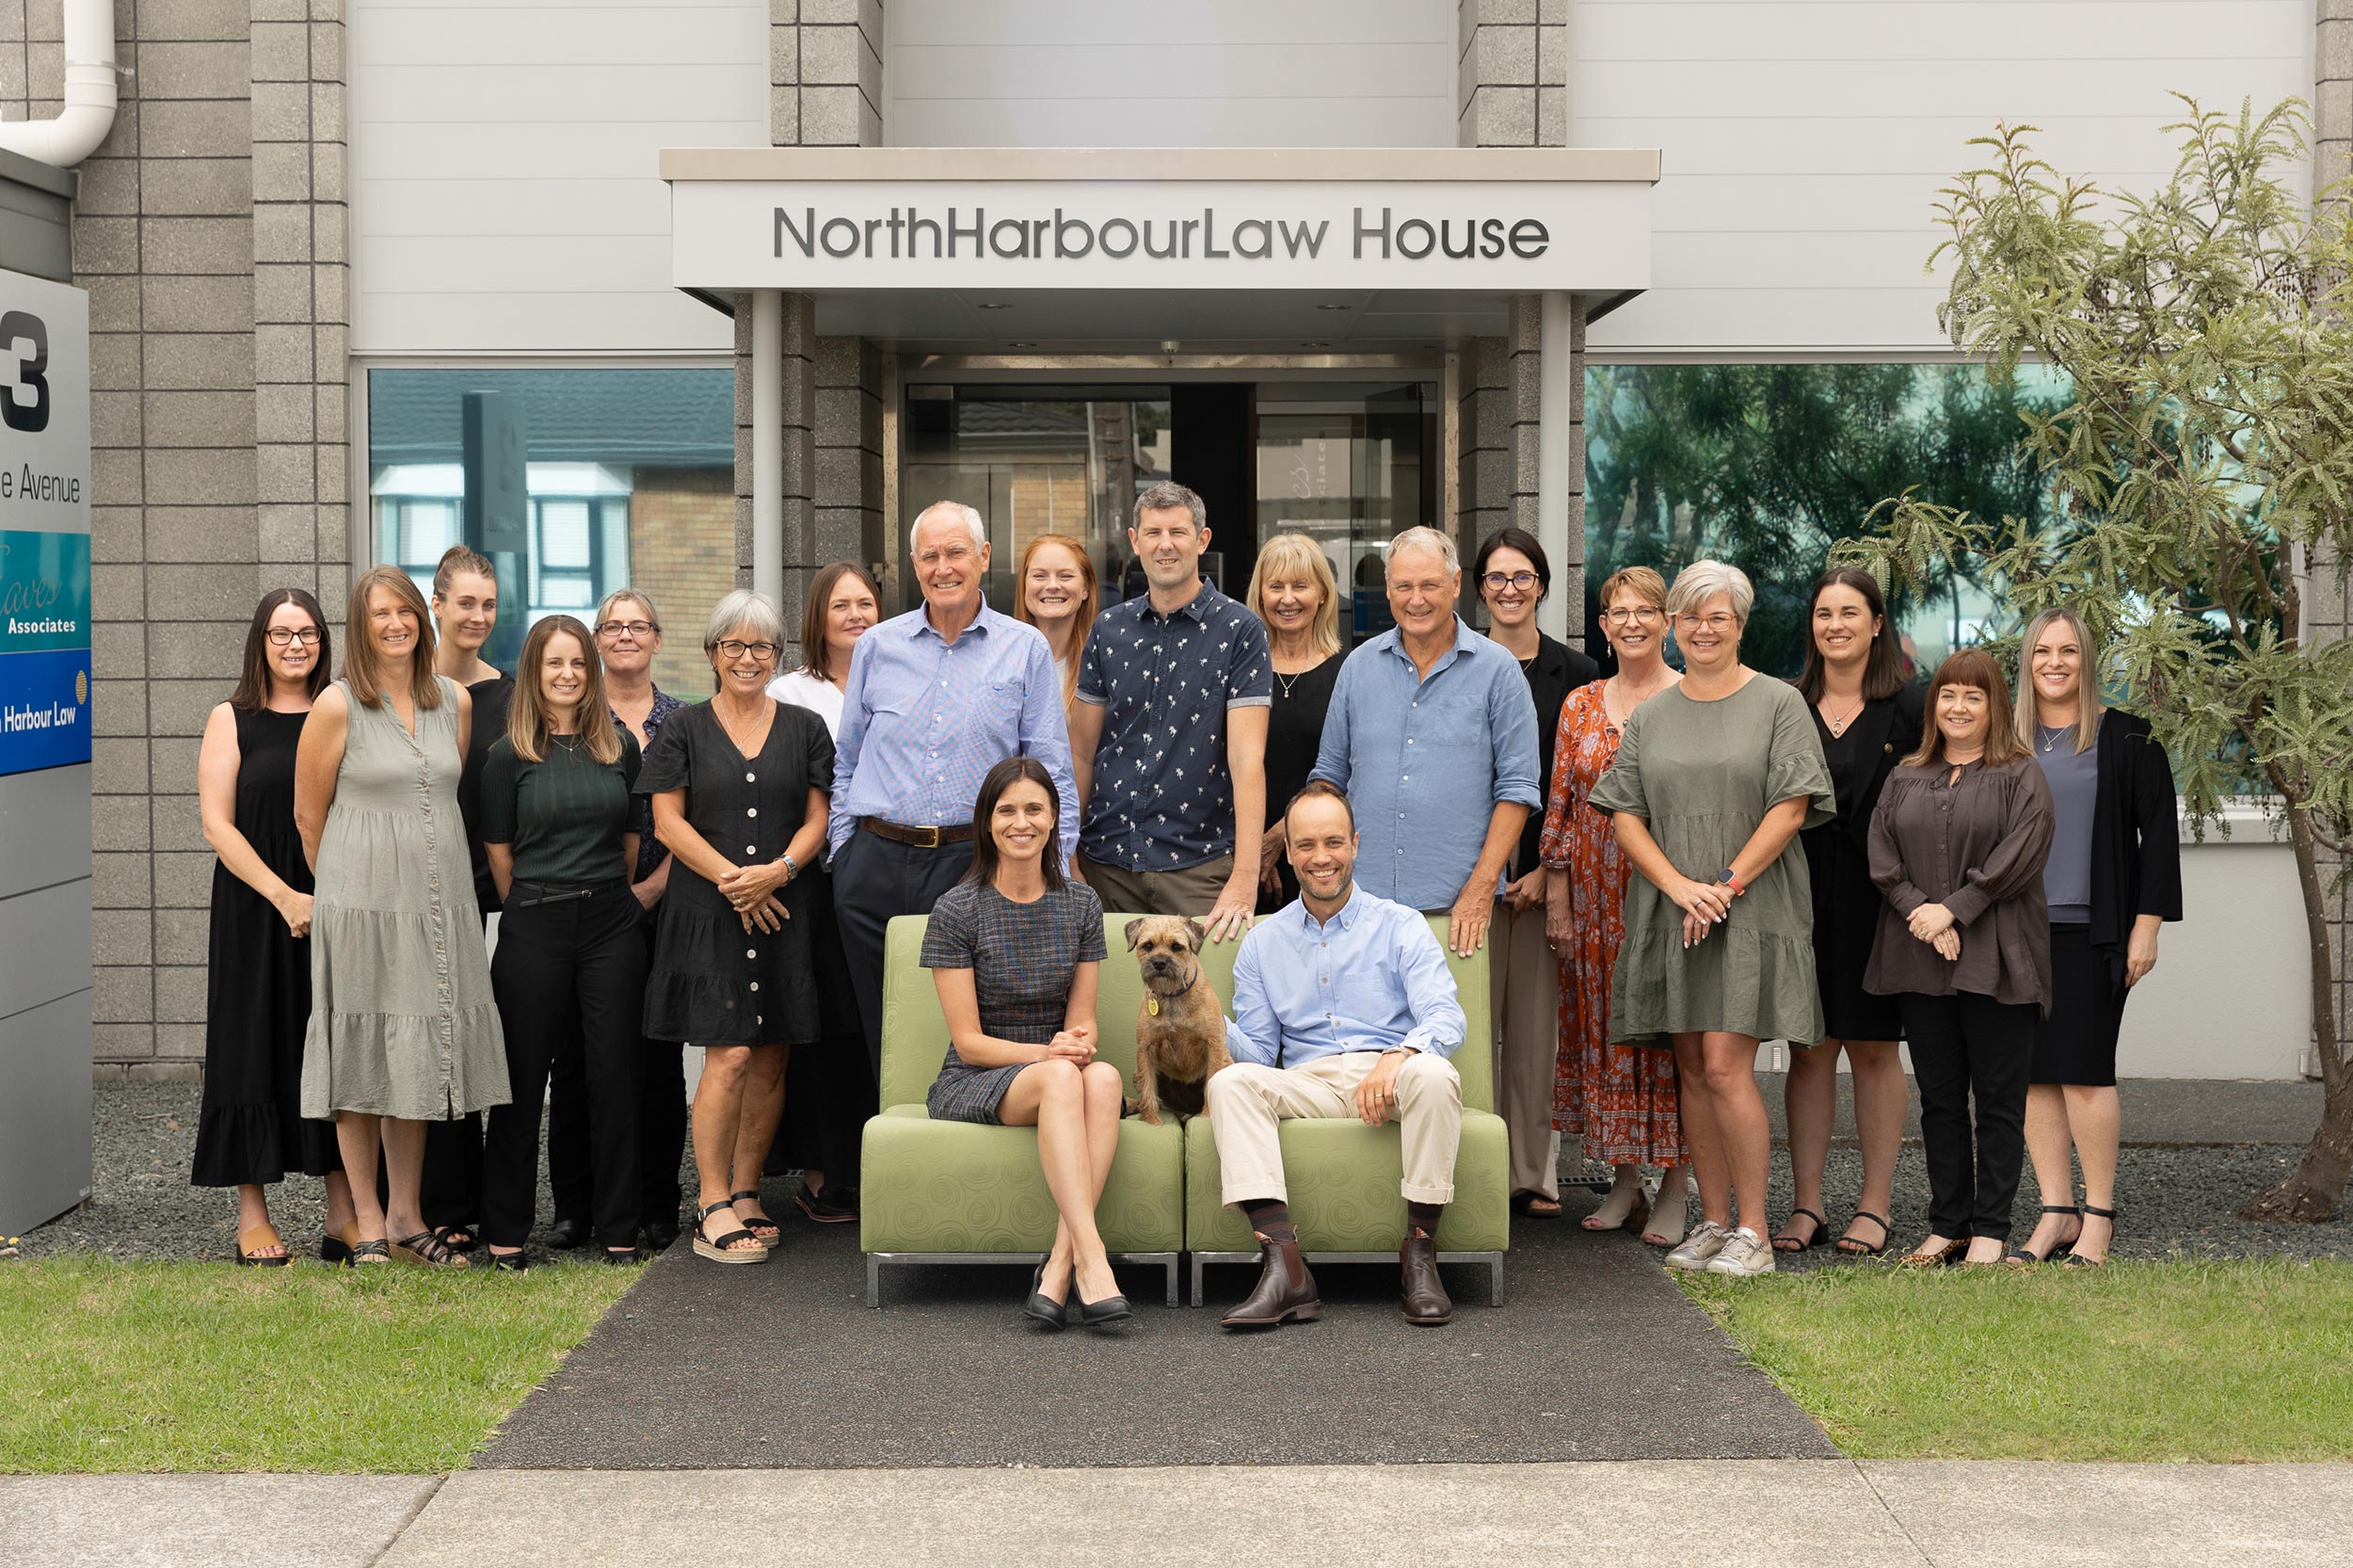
x=874 y=1280
x=1196 y=1279
x=1495 y=1279
x=1171 y=1278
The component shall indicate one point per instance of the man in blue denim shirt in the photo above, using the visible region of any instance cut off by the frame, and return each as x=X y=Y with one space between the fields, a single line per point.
x=1428 y=722
x=1168 y=740
x=1343 y=1006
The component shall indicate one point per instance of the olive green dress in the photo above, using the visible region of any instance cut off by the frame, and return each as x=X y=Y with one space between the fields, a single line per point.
x=1703 y=775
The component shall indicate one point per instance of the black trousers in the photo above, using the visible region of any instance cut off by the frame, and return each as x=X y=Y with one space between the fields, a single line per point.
x=661 y=1115
x=1966 y=1047
x=569 y=975
x=873 y=881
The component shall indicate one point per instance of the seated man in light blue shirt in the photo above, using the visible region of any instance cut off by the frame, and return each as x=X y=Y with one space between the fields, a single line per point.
x=1343 y=1006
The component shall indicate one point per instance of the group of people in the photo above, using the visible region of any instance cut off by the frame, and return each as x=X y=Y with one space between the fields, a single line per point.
x=1666 y=867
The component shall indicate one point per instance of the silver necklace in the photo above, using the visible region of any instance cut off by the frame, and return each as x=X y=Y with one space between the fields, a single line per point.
x=2050 y=737
x=1838 y=726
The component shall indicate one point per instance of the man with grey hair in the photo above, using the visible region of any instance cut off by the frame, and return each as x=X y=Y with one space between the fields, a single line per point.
x=1168 y=741
x=935 y=697
x=1426 y=720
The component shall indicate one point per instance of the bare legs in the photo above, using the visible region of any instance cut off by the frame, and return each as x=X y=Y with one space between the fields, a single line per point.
x=1724 y=1122
x=1076 y=1112
x=756 y=1123
x=2086 y=1119
x=736 y=1081
x=1811 y=1098
x=359 y=1136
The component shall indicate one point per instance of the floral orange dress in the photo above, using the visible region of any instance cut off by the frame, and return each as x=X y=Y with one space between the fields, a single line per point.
x=1620 y=1098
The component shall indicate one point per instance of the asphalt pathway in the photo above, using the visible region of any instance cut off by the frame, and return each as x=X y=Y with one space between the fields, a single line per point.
x=1596 y=1355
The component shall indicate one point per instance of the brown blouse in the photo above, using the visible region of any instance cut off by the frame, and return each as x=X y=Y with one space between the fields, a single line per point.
x=1976 y=846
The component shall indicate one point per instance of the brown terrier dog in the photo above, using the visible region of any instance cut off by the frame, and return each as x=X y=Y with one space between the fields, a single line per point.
x=1181 y=1029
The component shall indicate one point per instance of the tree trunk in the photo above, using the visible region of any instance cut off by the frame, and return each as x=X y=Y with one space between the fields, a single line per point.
x=2310 y=1195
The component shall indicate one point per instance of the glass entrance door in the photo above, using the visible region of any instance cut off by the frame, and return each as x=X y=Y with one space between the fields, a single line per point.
x=1350 y=467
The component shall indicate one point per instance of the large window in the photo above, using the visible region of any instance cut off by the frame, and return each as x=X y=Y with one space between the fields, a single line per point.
x=573 y=482
x=1767 y=465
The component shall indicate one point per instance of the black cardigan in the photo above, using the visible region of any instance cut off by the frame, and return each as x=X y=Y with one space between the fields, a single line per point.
x=2136 y=835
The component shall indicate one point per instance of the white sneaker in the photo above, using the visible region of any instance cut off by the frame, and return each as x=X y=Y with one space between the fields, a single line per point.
x=1744 y=1253
x=1707 y=1240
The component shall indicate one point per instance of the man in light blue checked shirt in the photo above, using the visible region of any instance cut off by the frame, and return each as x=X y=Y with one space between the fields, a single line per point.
x=1429 y=721
x=935 y=698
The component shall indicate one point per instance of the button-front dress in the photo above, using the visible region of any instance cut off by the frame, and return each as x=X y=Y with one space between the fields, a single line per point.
x=402 y=1020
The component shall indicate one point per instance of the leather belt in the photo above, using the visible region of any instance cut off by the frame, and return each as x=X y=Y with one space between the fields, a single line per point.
x=921 y=837
x=530 y=895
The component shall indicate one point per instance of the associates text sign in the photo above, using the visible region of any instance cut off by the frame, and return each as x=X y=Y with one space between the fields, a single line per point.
x=44 y=524
x=1481 y=235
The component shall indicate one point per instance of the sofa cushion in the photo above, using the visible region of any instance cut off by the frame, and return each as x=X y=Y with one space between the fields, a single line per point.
x=957 y=1187
x=1343 y=1177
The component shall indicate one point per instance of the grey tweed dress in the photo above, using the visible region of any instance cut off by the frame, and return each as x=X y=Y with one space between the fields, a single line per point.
x=1023 y=957
x=402 y=1020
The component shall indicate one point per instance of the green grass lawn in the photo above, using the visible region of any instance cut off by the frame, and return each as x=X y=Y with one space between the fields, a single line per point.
x=112 y=1367
x=2207 y=1361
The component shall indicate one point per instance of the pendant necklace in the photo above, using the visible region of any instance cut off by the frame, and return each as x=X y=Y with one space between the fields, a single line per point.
x=1838 y=726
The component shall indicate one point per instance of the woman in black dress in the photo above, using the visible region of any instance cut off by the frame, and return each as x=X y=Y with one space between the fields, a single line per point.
x=740 y=786
x=251 y=1130
x=1014 y=950
x=1293 y=591
x=1867 y=719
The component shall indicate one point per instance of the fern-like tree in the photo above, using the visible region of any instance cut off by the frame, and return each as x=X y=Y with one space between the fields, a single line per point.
x=2202 y=475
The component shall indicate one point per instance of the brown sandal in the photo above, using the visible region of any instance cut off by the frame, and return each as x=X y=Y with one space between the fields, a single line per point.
x=427 y=1248
x=252 y=1239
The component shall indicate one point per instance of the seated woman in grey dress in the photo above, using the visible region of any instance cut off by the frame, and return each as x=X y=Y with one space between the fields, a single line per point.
x=1013 y=949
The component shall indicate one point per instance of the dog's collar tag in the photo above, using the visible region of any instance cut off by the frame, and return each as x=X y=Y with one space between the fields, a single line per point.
x=1152 y=1004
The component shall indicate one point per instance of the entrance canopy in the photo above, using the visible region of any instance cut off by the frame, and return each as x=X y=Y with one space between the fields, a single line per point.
x=970 y=249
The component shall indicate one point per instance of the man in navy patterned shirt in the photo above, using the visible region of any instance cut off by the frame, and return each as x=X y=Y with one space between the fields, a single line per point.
x=1168 y=741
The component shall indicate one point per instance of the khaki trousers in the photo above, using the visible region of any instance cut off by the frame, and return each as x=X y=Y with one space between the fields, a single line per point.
x=1524 y=995
x=1247 y=1103
x=1190 y=891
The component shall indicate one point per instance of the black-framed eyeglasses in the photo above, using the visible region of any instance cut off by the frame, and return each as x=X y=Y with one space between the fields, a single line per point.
x=762 y=652
x=281 y=635
x=634 y=628
x=1496 y=582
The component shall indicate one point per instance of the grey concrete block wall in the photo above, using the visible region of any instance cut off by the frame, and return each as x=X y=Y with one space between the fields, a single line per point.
x=211 y=235
x=1511 y=72
x=2328 y=610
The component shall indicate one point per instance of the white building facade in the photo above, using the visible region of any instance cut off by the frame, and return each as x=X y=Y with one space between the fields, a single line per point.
x=329 y=243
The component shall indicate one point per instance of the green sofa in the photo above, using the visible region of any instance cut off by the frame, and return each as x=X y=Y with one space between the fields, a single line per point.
x=958 y=1192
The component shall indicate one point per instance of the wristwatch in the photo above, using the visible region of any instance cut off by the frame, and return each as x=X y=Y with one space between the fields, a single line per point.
x=791 y=866
x=1726 y=879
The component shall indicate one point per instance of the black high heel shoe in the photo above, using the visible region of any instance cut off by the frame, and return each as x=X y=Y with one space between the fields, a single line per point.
x=1110 y=1309
x=1042 y=1308
x=2076 y=1260
x=2026 y=1257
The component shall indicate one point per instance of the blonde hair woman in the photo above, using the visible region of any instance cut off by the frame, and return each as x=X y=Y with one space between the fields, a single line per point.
x=1293 y=591
x=402 y=1028
x=2114 y=876
x=1055 y=591
x=570 y=971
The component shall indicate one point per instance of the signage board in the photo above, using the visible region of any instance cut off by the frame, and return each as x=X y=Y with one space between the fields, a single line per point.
x=44 y=525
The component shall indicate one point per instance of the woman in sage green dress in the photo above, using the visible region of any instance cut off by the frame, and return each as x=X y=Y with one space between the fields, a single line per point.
x=1713 y=781
x=403 y=1026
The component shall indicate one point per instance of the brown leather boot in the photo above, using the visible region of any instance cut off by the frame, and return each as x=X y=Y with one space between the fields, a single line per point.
x=1286 y=1293
x=1425 y=1298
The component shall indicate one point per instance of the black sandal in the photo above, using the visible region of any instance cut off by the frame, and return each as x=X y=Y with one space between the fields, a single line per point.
x=1791 y=1245
x=1853 y=1248
x=723 y=1249
x=2074 y=1259
x=516 y=1262
x=1525 y=1203
x=377 y=1251
x=764 y=1230
x=457 y=1239
x=427 y=1248
x=2027 y=1258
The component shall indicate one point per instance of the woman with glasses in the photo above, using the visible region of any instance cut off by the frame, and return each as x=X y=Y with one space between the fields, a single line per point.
x=1712 y=783
x=1524 y=978
x=1867 y=719
x=257 y=989
x=1617 y=1096
x=628 y=637
x=739 y=786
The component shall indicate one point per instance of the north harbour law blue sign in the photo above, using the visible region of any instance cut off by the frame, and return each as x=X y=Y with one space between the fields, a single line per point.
x=44 y=650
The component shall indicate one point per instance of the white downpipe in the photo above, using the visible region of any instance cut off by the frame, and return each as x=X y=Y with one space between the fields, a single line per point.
x=1555 y=404
x=89 y=92
x=768 y=443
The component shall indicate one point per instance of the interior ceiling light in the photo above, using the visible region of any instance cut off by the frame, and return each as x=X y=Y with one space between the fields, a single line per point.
x=1020 y=346
x=991 y=305
x=1335 y=307
x=1316 y=343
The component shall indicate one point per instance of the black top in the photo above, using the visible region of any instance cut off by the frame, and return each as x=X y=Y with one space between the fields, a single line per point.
x=1557 y=670
x=649 y=850
x=747 y=809
x=2136 y=835
x=1294 y=730
x=491 y=699
x=1882 y=735
x=563 y=816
